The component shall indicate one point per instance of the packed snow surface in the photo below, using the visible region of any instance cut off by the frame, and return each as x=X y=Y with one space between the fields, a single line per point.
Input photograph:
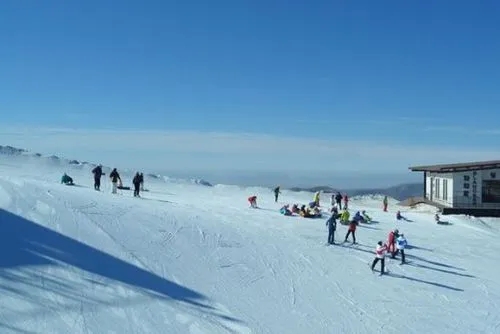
x=186 y=258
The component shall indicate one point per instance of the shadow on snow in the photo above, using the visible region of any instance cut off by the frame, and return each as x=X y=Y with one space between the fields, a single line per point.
x=424 y=281
x=32 y=255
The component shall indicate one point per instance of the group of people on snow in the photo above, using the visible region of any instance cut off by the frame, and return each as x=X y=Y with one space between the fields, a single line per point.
x=396 y=241
x=116 y=181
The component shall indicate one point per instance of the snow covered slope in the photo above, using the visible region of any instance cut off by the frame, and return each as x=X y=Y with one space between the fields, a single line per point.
x=187 y=258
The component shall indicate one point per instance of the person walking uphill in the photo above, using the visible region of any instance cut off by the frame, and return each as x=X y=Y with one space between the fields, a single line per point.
x=115 y=178
x=277 y=192
x=332 y=226
x=380 y=256
x=137 y=184
x=97 y=177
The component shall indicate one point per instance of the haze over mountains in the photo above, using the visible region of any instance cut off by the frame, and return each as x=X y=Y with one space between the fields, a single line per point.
x=251 y=178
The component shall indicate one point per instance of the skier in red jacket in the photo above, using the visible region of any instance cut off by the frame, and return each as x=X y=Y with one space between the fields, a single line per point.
x=352 y=230
x=391 y=241
x=253 y=201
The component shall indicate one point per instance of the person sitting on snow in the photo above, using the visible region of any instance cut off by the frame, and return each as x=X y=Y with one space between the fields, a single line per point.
x=295 y=208
x=344 y=217
x=365 y=216
x=285 y=210
x=316 y=198
x=253 y=201
x=358 y=218
x=67 y=180
x=398 y=215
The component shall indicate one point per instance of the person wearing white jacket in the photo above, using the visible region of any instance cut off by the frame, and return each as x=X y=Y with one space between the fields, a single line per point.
x=401 y=244
x=380 y=252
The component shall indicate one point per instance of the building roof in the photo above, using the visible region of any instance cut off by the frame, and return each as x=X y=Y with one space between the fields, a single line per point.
x=458 y=167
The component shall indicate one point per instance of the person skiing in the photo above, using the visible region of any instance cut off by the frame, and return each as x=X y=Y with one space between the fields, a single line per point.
x=115 y=178
x=346 y=201
x=385 y=203
x=391 y=242
x=97 y=171
x=401 y=244
x=338 y=200
x=351 y=230
x=332 y=226
x=253 y=201
x=277 y=192
x=67 y=180
x=141 y=181
x=137 y=184
x=380 y=256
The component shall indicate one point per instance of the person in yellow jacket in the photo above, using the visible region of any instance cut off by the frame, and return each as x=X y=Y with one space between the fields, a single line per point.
x=345 y=216
x=316 y=198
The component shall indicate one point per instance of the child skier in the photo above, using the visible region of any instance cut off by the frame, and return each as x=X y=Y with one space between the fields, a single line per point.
x=380 y=256
x=332 y=226
x=253 y=201
x=401 y=244
x=352 y=230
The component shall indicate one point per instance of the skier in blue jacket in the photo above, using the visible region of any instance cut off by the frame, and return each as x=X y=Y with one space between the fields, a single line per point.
x=332 y=226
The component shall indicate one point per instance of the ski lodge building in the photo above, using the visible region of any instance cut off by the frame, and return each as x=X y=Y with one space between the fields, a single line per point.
x=463 y=188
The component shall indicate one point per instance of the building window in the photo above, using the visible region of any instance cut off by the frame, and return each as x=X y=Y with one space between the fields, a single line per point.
x=466 y=193
x=490 y=191
x=493 y=175
x=466 y=177
x=466 y=185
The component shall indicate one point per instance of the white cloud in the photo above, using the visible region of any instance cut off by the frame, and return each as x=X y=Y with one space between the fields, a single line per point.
x=184 y=151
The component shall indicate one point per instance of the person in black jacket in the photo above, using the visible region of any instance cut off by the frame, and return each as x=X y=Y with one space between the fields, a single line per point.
x=338 y=200
x=137 y=184
x=277 y=192
x=141 y=178
x=97 y=177
x=332 y=226
x=115 y=178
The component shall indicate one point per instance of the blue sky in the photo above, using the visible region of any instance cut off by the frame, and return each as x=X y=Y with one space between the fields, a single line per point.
x=325 y=88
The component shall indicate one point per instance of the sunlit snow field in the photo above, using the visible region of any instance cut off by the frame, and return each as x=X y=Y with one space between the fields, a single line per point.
x=189 y=258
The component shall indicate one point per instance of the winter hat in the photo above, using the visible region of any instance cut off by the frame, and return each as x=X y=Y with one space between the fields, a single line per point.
x=379 y=243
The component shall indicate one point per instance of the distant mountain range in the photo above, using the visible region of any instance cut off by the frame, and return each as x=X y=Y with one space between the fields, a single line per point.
x=399 y=192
